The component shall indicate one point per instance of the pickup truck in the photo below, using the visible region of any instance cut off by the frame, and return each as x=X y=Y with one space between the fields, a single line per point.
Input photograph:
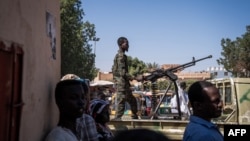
x=235 y=94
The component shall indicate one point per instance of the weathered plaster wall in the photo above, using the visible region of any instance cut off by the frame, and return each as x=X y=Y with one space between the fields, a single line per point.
x=24 y=22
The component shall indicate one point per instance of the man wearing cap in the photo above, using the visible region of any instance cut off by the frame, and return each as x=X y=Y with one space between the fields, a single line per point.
x=72 y=98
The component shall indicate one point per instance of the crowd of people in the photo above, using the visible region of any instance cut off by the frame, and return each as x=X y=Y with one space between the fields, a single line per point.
x=84 y=119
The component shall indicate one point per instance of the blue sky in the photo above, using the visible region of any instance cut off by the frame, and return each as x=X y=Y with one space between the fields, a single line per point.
x=166 y=31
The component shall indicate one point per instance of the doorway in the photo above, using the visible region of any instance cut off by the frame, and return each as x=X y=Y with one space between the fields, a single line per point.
x=11 y=61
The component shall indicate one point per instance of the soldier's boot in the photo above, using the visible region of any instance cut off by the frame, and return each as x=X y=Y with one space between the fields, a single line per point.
x=134 y=112
x=134 y=117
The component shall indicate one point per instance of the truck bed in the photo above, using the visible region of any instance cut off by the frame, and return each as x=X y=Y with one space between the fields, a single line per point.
x=172 y=128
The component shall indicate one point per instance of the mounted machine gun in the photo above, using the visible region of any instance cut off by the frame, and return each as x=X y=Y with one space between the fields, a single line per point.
x=159 y=73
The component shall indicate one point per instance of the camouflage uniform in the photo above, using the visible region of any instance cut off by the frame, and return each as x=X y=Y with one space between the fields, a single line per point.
x=121 y=78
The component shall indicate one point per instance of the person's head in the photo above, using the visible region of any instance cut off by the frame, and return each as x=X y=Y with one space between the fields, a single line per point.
x=139 y=134
x=99 y=110
x=71 y=98
x=205 y=100
x=183 y=85
x=123 y=43
x=85 y=85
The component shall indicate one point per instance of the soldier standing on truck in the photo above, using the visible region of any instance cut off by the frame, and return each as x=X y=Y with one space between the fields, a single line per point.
x=122 y=80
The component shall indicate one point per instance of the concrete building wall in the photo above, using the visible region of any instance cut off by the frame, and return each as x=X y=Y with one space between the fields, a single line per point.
x=108 y=76
x=24 y=22
x=219 y=72
x=194 y=75
x=181 y=75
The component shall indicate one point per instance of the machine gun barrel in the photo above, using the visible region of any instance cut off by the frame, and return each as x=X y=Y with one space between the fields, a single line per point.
x=169 y=72
x=189 y=64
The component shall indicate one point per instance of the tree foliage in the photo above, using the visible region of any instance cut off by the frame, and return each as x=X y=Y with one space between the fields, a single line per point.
x=236 y=56
x=76 y=56
x=152 y=66
x=163 y=84
x=136 y=66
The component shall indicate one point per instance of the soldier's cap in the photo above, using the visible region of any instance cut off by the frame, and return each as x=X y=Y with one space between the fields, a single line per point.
x=85 y=82
x=70 y=77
